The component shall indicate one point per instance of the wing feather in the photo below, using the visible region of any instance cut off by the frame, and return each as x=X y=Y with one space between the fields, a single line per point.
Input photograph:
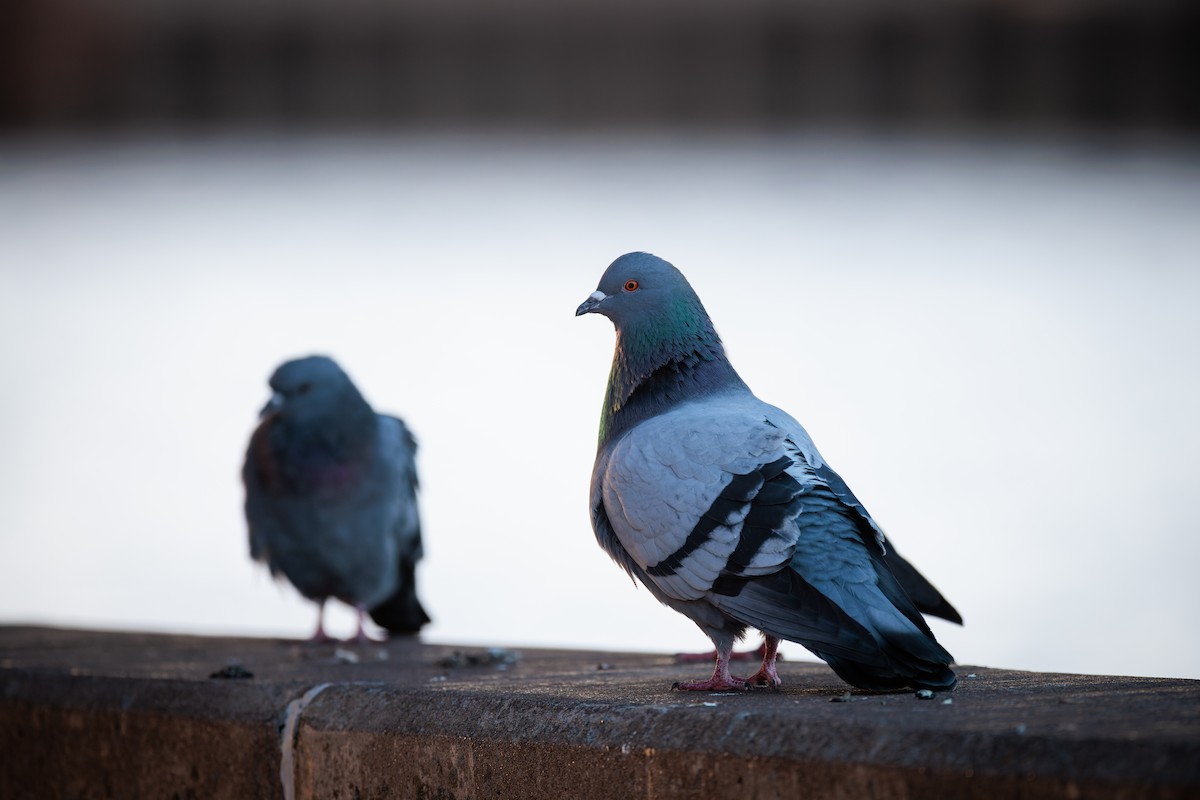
x=728 y=502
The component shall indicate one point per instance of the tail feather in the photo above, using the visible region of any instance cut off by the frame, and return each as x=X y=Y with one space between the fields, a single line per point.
x=878 y=648
x=402 y=612
x=935 y=677
x=912 y=656
x=927 y=598
x=787 y=606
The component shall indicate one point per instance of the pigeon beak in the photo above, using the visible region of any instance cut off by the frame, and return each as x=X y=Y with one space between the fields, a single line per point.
x=589 y=305
x=273 y=405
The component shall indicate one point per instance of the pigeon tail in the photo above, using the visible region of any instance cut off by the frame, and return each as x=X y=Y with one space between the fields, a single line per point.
x=927 y=599
x=402 y=612
x=879 y=649
x=936 y=677
x=913 y=657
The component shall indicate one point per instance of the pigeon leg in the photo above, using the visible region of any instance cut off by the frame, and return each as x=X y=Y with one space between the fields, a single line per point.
x=361 y=637
x=745 y=655
x=766 y=675
x=721 y=680
x=319 y=635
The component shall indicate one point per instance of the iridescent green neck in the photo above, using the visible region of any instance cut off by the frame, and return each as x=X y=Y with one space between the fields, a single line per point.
x=659 y=364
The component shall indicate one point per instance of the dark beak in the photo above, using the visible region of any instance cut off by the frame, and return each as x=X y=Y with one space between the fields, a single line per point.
x=273 y=405
x=589 y=305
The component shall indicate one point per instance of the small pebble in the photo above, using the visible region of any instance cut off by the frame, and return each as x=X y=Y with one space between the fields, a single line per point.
x=948 y=701
x=841 y=698
x=232 y=672
x=925 y=694
x=345 y=656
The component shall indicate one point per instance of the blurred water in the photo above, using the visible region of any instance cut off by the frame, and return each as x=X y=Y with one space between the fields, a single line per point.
x=995 y=344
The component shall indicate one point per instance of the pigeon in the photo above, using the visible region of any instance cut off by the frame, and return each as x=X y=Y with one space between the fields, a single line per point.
x=721 y=505
x=331 y=497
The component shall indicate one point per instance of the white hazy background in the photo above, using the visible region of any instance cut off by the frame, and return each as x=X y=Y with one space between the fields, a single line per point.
x=995 y=343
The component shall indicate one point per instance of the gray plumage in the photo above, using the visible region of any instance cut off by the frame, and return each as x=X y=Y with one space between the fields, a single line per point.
x=721 y=505
x=331 y=496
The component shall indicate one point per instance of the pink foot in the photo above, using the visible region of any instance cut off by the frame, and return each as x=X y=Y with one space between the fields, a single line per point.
x=767 y=675
x=713 y=684
x=720 y=681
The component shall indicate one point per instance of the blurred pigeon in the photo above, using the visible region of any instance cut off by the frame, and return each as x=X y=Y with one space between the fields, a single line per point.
x=331 y=497
x=721 y=505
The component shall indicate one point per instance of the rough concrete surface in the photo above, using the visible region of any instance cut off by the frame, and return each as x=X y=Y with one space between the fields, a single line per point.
x=97 y=714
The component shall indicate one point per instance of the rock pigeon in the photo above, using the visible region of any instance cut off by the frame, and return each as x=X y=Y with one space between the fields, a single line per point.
x=331 y=497
x=722 y=507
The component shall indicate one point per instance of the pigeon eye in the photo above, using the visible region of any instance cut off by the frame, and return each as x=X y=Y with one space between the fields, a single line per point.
x=304 y=388
x=631 y=286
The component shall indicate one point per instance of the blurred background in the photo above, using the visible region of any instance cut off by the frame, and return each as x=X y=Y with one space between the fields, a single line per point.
x=958 y=241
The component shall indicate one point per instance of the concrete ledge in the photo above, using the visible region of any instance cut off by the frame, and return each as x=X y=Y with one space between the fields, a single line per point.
x=88 y=714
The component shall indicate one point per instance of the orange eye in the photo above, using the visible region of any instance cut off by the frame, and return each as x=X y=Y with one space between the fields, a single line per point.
x=631 y=286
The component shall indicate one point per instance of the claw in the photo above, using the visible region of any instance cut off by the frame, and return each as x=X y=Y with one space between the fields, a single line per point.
x=713 y=684
x=720 y=681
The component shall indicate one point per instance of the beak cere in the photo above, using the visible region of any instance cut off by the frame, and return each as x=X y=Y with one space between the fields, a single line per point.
x=590 y=304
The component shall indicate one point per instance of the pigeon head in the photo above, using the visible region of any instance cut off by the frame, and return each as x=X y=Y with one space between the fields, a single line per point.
x=312 y=390
x=667 y=349
x=640 y=290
